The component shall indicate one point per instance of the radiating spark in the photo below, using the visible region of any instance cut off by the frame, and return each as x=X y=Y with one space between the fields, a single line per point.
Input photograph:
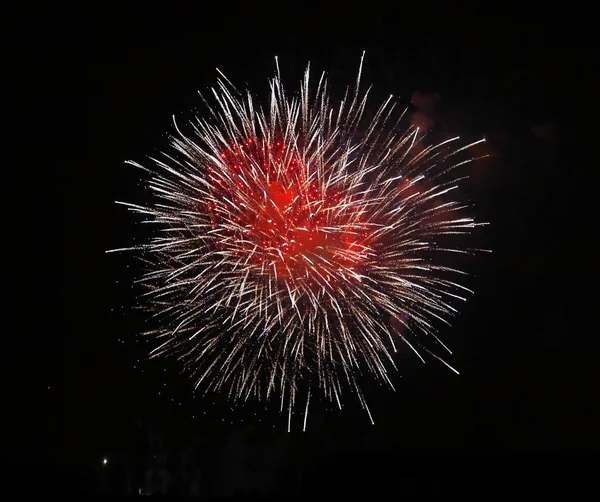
x=287 y=237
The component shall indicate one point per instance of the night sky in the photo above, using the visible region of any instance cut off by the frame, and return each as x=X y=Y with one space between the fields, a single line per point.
x=527 y=359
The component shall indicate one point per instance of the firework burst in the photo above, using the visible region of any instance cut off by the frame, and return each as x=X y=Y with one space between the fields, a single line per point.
x=291 y=243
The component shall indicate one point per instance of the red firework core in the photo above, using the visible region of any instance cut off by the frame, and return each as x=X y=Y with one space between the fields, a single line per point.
x=269 y=209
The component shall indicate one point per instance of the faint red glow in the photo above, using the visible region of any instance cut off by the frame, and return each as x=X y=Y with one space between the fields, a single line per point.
x=285 y=218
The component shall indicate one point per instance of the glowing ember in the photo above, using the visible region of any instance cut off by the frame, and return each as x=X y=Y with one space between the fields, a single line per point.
x=282 y=218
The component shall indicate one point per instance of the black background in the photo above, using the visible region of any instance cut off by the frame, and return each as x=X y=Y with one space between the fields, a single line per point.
x=526 y=354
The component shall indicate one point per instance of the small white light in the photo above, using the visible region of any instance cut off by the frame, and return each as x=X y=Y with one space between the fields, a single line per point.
x=105 y=461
